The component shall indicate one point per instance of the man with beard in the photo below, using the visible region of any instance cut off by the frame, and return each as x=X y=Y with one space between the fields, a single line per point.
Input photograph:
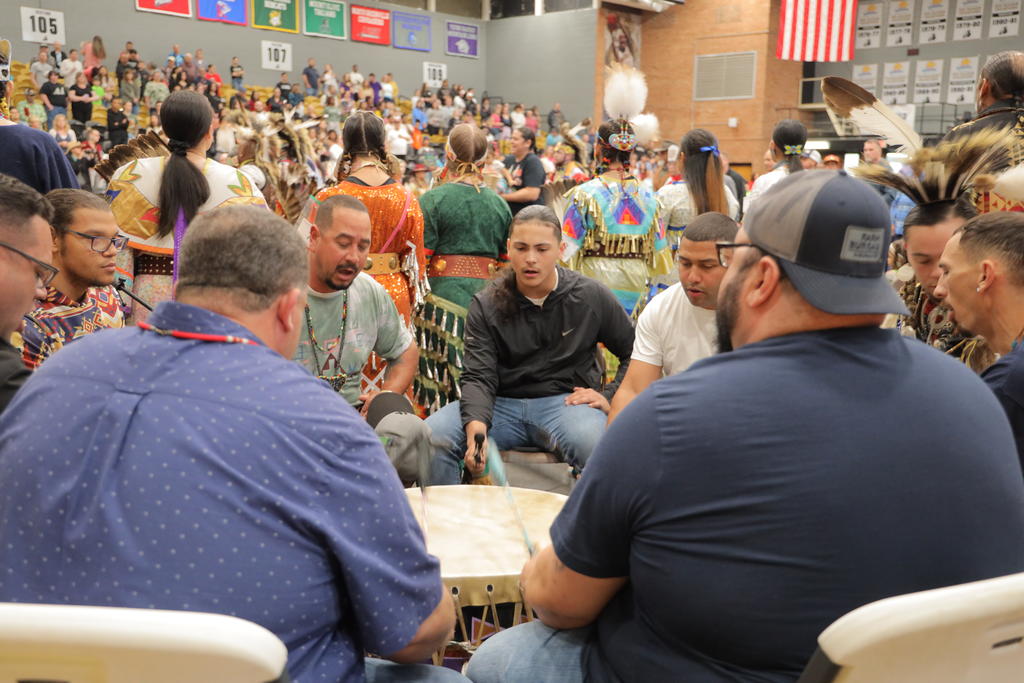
x=677 y=328
x=348 y=315
x=81 y=299
x=735 y=510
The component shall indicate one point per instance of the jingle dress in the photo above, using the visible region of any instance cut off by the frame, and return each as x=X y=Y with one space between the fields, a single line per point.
x=134 y=195
x=613 y=232
x=465 y=230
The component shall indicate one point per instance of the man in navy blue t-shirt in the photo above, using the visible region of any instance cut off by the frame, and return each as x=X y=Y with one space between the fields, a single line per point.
x=735 y=510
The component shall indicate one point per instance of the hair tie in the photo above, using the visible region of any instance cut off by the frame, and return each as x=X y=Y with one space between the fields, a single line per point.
x=710 y=148
x=790 y=150
x=178 y=147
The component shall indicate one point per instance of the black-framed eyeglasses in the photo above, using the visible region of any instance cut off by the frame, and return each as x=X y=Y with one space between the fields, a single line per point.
x=44 y=271
x=725 y=249
x=102 y=244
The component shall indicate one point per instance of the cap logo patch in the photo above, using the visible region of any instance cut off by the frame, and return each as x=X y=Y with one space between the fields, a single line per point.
x=863 y=245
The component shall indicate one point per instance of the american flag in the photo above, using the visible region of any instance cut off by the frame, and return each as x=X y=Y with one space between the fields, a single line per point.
x=816 y=30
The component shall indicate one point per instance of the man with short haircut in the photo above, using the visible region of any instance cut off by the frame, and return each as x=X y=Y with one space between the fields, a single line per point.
x=354 y=77
x=982 y=282
x=55 y=98
x=71 y=67
x=530 y=374
x=24 y=271
x=40 y=69
x=285 y=86
x=526 y=171
x=348 y=316
x=311 y=78
x=81 y=299
x=57 y=54
x=30 y=106
x=677 y=327
x=202 y=470
x=735 y=510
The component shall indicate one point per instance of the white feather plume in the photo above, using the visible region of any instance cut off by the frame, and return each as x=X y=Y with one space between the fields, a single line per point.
x=625 y=93
x=646 y=128
x=1010 y=184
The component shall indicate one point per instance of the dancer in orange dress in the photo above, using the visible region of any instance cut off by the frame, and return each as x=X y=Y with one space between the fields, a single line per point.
x=396 y=248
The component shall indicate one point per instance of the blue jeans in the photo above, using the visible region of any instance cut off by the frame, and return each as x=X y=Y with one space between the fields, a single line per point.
x=570 y=431
x=528 y=653
x=52 y=114
x=311 y=92
x=236 y=83
x=383 y=671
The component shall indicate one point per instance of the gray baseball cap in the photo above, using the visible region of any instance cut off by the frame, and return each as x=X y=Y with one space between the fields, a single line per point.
x=830 y=232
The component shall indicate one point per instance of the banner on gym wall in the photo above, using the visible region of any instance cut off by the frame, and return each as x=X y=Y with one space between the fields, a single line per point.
x=410 y=31
x=371 y=25
x=324 y=18
x=276 y=15
x=177 y=8
x=224 y=11
x=462 y=40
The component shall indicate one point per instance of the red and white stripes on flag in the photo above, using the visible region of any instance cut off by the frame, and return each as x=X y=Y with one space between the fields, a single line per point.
x=816 y=30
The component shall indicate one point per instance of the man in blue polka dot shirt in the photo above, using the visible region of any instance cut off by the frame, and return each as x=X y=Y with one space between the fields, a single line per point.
x=189 y=464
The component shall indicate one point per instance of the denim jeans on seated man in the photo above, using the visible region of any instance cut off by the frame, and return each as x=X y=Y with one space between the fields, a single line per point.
x=571 y=432
x=530 y=652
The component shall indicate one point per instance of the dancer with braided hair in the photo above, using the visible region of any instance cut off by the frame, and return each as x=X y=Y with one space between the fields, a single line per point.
x=612 y=229
x=465 y=230
x=155 y=197
x=785 y=148
x=397 y=258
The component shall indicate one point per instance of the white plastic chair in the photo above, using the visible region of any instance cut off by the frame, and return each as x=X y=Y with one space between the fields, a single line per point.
x=973 y=632
x=77 y=644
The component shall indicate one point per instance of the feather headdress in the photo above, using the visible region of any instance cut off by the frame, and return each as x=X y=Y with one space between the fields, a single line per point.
x=847 y=100
x=625 y=92
x=646 y=128
x=949 y=170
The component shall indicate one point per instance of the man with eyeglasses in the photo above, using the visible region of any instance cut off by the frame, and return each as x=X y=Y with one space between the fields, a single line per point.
x=733 y=511
x=677 y=328
x=24 y=270
x=81 y=300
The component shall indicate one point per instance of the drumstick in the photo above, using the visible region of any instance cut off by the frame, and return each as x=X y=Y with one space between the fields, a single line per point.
x=497 y=468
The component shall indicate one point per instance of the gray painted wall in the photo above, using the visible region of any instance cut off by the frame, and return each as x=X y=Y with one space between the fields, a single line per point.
x=543 y=60
x=118 y=21
x=939 y=51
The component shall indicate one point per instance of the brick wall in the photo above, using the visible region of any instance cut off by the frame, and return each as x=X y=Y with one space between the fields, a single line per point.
x=670 y=42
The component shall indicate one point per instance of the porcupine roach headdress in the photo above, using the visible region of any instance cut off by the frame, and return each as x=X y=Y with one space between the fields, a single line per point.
x=625 y=95
x=950 y=170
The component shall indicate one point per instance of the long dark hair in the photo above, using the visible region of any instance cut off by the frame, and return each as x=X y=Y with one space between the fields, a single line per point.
x=364 y=133
x=789 y=137
x=703 y=172
x=503 y=285
x=185 y=117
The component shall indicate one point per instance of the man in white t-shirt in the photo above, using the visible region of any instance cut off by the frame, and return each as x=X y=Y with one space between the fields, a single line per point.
x=677 y=328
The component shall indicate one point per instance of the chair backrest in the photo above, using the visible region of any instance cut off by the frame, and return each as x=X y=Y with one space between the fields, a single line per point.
x=970 y=632
x=76 y=644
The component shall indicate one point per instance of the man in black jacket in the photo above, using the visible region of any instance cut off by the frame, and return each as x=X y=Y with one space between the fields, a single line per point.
x=25 y=268
x=531 y=375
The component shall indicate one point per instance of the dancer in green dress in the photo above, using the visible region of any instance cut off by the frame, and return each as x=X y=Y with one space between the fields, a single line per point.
x=465 y=230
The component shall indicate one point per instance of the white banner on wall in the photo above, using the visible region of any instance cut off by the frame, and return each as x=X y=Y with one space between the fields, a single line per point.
x=900 y=31
x=275 y=56
x=963 y=76
x=934 y=20
x=1005 y=21
x=928 y=81
x=967 y=23
x=869 y=24
x=866 y=76
x=895 y=80
x=44 y=26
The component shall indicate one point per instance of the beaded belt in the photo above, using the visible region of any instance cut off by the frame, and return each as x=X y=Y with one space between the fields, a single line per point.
x=384 y=264
x=449 y=265
x=153 y=264
x=602 y=252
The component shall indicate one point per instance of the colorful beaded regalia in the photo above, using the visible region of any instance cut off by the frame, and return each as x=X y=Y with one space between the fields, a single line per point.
x=133 y=193
x=612 y=229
